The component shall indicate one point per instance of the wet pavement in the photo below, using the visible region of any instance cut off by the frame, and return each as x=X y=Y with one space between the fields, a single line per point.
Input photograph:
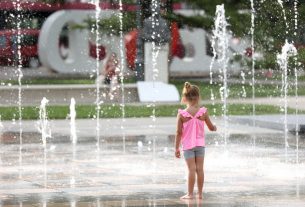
x=134 y=166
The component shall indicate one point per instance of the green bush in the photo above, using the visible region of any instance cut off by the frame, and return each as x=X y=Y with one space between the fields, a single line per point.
x=301 y=58
x=267 y=62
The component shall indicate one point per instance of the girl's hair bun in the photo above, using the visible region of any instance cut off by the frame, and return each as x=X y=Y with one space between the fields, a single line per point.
x=187 y=85
x=190 y=92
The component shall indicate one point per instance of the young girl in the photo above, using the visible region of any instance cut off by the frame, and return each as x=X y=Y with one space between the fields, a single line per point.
x=190 y=132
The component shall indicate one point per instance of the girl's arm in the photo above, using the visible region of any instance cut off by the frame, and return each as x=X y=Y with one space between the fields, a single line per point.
x=178 y=136
x=211 y=126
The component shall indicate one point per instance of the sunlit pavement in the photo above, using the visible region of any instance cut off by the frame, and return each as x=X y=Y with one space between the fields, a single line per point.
x=134 y=166
x=11 y=73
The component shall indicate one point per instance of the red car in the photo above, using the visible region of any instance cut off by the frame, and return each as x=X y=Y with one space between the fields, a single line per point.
x=28 y=47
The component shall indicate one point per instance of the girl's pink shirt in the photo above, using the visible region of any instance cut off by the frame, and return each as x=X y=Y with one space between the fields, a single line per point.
x=193 y=129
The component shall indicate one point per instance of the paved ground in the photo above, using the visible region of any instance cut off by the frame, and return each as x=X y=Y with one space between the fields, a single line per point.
x=134 y=166
x=10 y=73
x=132 y=163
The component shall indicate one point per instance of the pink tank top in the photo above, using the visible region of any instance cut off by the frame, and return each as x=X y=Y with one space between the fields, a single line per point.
x=193 y=129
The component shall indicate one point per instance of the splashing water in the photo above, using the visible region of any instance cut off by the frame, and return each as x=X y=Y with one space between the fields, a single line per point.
x=253 y=57
x=220 y=37
x=155 y=53
x=296 y=82
x=72 y=121
x=243 y=81
x=20 y=75
x=213 y=45
x=43 y=123
x=288 y=50
x=253 y=69
x=291 y=51
x=45 y=130
x=72 y=203
x=284 y=15
x=73 y=137
x=121 y=72
x=98 y=104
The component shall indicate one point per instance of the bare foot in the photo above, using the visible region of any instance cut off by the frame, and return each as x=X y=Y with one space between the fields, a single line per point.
x=200 y=195
x=187 y=196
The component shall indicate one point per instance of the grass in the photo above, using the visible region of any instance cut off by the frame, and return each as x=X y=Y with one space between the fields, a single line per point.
x=44 y=81
x=49 y=81
x=115 y=111
x=237 y=90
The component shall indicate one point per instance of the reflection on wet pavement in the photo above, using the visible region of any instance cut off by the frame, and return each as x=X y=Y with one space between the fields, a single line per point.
x=147 y=174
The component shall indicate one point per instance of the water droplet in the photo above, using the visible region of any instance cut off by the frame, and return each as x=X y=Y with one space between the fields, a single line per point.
x=140 y=144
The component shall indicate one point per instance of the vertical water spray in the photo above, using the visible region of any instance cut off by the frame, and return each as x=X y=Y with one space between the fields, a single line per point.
x=221 y=44
x=72 y=203
x=253 y=68
x=121 y=72
x=18 y=60
x=296 y=81
x=98 y=102
x=44 y=129
x=98 y=202
x=73 y=136
x=155 y=53
x=284 y=15
x=295 y=8
x=288 y=50
x=213 y=45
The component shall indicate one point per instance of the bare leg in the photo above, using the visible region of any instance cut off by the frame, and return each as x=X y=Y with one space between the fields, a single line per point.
x=200 y=174
x=191 y=177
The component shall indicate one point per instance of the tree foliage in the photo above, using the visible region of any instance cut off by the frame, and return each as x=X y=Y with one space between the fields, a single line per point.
x=270 y=26
x=111 y=25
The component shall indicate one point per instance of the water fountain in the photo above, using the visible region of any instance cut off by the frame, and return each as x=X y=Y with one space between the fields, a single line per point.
x=98 y=101
x=220 y=47
x=253 y=69
x=18 y=60
x=287 y=50
x=155 y=54
x=296 y=82
x=122 y=70
x=122 y=174
x=282 y=59
x=45 y=130
x=72 y=122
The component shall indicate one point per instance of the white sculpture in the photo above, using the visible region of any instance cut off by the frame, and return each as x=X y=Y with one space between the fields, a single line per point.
x=78 y=59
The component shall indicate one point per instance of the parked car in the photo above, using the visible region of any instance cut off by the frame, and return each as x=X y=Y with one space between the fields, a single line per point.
x=28 y=47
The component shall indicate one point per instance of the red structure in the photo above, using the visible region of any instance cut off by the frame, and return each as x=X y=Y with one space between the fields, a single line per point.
x=176 y=46
x=28 y=43
x=35 y=13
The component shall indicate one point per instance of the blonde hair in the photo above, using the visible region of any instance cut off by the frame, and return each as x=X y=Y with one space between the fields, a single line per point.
x=190 y=92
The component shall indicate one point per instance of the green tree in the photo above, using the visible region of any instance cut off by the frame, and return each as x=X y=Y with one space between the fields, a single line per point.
x=271 y=29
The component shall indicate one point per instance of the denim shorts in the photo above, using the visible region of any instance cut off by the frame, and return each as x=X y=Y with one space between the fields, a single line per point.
x=195 y=152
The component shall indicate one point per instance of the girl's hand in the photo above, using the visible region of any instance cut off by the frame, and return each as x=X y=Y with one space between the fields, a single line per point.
x=215 y=128
x=177 y=153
